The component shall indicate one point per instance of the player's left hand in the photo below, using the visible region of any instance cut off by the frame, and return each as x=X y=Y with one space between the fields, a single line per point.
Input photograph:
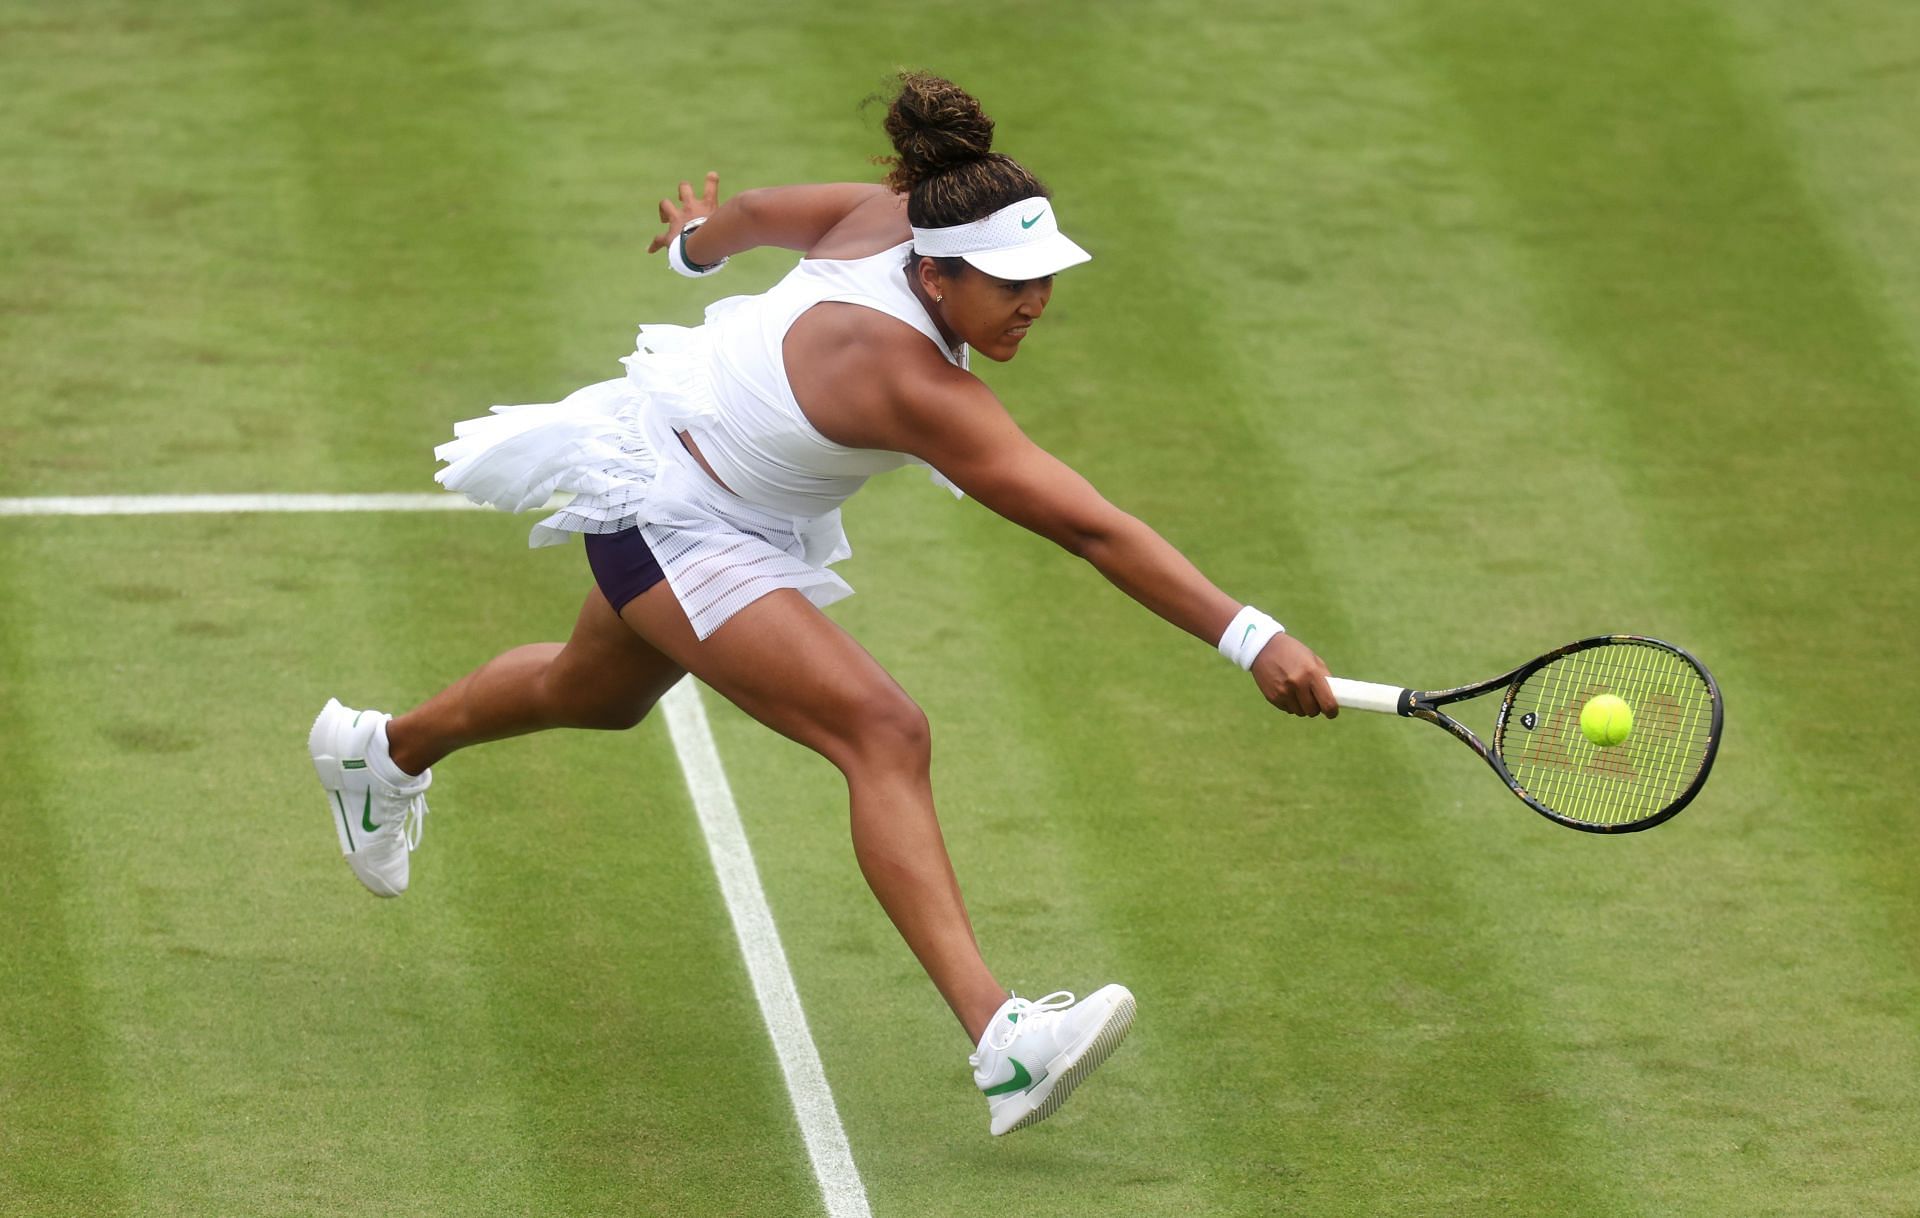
x=675 y=217
x=1294 y=679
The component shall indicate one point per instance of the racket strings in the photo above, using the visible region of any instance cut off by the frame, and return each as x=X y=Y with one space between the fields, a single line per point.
x=1541 y=743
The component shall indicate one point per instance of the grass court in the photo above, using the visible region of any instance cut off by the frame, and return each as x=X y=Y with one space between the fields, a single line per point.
x=1445 y=331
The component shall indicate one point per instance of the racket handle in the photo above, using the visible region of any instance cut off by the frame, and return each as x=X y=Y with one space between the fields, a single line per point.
x=1366 y=695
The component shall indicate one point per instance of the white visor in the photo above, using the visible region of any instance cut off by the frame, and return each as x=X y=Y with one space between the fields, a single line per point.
x=1020 y=241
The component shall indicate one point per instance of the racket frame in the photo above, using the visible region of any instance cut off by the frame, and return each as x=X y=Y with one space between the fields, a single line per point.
x=1426 y=704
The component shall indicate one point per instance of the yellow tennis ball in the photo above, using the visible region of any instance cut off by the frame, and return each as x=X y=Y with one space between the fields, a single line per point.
x=1606 y=720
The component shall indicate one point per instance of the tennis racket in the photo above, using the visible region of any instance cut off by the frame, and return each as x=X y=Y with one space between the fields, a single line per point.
x=1540 y=752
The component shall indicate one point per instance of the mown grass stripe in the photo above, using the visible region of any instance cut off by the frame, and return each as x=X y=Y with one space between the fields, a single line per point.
x=1366 y=1013
x=640 y=1076
x=419 y=198
x=245 y=976
x=154 y=335
x=57 y=1153
x=1754 y=402
x=1843 y=82
x=1759 y=425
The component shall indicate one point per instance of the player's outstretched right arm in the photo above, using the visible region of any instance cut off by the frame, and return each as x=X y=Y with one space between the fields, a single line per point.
x=785 y=217
x=951 y=420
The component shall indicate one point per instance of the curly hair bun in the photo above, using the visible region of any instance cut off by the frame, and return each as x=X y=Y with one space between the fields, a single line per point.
x=935 y=126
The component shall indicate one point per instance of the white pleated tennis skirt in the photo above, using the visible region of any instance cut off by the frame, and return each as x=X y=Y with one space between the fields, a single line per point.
x=612 y=447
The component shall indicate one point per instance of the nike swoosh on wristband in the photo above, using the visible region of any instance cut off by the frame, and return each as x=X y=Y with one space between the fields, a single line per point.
x=1020 y=1081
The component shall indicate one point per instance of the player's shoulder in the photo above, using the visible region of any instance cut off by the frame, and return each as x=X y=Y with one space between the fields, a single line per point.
x=863 y=375
x=876 y=221
x=909 y=370
x=882 y=347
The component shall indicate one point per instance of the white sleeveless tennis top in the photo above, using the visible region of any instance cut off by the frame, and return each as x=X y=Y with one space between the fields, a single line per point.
x=612 y=446
x=758 y=441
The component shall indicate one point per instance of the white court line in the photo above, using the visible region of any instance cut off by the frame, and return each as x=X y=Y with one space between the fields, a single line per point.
x=169 y=505
x=773 y=985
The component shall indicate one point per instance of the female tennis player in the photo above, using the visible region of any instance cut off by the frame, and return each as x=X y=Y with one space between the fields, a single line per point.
x=707 y=483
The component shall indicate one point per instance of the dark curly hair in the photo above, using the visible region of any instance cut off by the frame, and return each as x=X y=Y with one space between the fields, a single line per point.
x=944 y=162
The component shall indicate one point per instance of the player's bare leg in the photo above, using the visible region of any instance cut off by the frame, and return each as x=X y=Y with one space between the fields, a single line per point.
x=604 y=677
x=785 y=663
x=375 y=770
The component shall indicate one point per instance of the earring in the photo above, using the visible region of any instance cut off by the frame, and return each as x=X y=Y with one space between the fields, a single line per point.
x=939 y=300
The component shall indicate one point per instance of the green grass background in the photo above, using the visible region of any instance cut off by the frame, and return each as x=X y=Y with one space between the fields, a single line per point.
x=1445 y=331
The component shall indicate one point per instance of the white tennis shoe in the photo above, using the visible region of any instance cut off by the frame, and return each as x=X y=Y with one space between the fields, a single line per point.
x=1033 y=1054
x=378 y=823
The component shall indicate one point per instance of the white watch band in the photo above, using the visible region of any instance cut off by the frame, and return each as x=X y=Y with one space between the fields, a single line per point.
x=677 y=253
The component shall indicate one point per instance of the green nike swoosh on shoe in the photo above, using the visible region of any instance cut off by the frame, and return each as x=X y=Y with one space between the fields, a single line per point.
x=1020 y=1081
x=1064 y=1038
x=346 y=822
x=378 y=850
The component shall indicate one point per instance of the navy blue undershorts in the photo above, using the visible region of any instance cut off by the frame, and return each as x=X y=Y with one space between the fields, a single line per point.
x=623 y=565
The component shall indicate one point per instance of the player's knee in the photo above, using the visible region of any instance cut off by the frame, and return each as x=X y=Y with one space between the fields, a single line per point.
x=892 y=730
x=597 y=710
x=614 y=716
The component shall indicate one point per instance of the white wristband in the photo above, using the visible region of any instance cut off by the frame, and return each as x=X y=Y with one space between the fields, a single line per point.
x=677 y=253
x=1247 y=634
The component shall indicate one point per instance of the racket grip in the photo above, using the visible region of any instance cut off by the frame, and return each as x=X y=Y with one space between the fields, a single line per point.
x=1366 y=695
